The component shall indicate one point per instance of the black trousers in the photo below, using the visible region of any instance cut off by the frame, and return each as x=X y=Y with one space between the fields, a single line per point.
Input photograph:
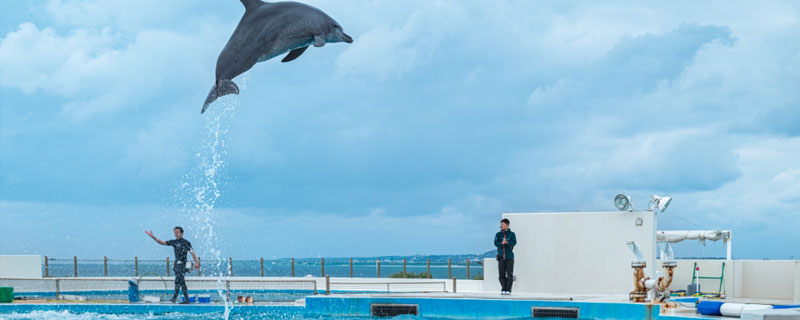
x=180 y=281
x=506 y=268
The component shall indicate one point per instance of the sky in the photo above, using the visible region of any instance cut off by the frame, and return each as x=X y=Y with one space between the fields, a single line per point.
x=414 y=139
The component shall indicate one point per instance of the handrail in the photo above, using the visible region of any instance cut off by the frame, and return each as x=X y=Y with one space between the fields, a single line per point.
x=390 y=283
x=263 y=267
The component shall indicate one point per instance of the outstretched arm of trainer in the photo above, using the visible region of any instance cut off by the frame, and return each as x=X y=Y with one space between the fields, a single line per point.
x=196 y=262
x=161 y=242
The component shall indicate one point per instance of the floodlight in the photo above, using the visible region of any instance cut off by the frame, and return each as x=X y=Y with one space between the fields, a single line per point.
x=660 y=202
x=623 y=202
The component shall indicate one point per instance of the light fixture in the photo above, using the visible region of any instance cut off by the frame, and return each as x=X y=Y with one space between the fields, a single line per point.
x=659 y=202
x=623 y=202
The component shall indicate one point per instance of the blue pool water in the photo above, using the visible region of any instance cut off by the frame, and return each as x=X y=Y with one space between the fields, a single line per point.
x=52 y=315
x=164 y=295
x=335 y=307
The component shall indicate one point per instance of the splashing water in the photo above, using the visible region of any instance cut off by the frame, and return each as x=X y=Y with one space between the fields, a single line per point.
x=200 y=191
x=200 y=188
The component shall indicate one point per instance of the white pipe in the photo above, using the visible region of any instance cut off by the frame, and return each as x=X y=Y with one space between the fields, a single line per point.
x=728 y=244
x=667 y=254
x=650 y=283
x=652 y=248
x=636 y=252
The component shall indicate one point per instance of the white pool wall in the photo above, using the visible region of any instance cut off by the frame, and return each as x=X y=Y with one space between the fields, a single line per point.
x=576 y=252
x=744 y=279
x=20 y=266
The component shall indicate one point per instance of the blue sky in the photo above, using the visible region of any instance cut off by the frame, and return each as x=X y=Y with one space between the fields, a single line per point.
x=413 y=139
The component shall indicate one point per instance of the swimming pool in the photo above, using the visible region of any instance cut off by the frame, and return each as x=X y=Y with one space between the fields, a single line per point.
x=361 y=306
x=66 y=315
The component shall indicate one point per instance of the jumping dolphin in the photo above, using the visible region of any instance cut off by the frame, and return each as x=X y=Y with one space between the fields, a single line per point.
x=267 y=30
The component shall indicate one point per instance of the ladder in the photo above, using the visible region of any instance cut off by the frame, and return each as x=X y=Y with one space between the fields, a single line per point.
x=720 y=278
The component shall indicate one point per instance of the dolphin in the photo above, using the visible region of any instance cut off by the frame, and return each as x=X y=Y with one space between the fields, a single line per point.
x=267 y=30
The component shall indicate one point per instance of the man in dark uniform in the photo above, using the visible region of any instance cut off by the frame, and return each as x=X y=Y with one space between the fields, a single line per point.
x=181 y=247
x=505 y=240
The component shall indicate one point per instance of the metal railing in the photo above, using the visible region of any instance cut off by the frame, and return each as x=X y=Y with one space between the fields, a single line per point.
x=399 y=287
x=362 y=268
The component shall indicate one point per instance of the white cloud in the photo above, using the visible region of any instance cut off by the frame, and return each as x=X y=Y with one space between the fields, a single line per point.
x=165 y=147
x=102 y=71
x=788 y=185
x=133 y=16
x=479 y=108
x=32 y=59
x=392 y=51
x=763 y=200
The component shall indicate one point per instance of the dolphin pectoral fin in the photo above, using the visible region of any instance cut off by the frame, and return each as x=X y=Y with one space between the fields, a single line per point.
x=319 y=40
x=294 y=54
x=221 y=88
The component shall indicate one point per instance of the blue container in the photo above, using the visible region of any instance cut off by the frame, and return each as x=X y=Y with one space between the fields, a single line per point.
x=709 y=308
x=133 y=291
x=203 y=299
x=192 y=299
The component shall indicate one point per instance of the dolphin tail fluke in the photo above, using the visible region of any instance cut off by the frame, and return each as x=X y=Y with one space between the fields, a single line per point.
x=221 y=88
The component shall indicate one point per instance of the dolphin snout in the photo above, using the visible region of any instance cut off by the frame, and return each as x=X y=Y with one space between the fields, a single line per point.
x=347 y=38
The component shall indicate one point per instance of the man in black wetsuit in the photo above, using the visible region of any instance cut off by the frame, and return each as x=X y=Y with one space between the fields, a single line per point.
x=505 y=240
x=181 y=247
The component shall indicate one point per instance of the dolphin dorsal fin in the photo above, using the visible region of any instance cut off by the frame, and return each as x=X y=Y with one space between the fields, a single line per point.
x=251 y=4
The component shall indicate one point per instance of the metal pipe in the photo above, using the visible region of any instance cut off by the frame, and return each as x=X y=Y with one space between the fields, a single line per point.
x=327 y=285
x=454 y=284
x=105 y=266
x=379 y=267
x=230 y=266
x=75 y=265
x=449 y=268
x=351 y=267
x=661 y=285
x=468 y=269
x=322 y=264
x=199 y=269
x=292 y=267
x=639 y=292
x=404 y=267
x=167 y=266
x=136 y=266
x=262 y=267
x=428 y=262
x=667 y=280
x=46 y=268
